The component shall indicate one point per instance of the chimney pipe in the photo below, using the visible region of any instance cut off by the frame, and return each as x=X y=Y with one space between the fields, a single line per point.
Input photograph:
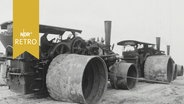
x=107 y=33
x=168 y=49
x=158 y=43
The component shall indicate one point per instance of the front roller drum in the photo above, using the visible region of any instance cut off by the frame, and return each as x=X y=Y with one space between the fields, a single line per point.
x=180 y=70
x=159 y=69
x=77 y=78
x=123 y=75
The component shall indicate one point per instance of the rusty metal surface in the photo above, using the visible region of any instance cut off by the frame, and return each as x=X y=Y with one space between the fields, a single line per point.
x=121 y=73
x=65 y=78
x=158 y=68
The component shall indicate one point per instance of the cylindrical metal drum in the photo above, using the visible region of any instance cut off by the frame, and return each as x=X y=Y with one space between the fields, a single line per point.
x=77 y=78
x=158 y=68
x=123 y=75
x=175 y=71
x=180 y=70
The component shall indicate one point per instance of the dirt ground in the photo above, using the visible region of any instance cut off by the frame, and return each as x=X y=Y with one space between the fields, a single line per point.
x=144 y=93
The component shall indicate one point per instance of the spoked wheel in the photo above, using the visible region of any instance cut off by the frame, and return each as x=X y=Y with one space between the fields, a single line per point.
x=62 y=49
x=78 y=46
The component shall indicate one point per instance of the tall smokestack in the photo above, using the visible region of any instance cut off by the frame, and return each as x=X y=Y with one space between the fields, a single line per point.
x=168 y=49
x=158 y=43
x=108 y=33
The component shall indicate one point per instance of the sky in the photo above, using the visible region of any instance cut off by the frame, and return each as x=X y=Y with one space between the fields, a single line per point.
x=141 y=20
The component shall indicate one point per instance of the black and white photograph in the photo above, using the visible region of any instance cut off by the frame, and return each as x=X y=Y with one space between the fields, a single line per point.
x=94 y=52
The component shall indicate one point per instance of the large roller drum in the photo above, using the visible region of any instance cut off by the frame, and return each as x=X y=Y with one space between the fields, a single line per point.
x=123 y=75
x=180 y=70
x=175 y=71
x=77 y=78
x=158 y=68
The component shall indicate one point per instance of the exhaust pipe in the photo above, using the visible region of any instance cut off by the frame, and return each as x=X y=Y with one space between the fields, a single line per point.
x=158 y=43
x=107 y=33
x=168 y=49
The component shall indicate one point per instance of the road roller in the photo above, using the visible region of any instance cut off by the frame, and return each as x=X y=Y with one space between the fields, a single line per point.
x=152 y=63
x=69 y=69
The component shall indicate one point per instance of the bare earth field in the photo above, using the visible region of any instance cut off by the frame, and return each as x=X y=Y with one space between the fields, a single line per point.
x=144 y=93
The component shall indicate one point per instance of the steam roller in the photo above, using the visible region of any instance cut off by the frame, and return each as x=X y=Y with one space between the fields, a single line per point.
x=159 y=68
x=77 y=78
x=80 y=76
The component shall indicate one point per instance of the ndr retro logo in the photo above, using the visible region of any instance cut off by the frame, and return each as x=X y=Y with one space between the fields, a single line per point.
x=25 y=38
